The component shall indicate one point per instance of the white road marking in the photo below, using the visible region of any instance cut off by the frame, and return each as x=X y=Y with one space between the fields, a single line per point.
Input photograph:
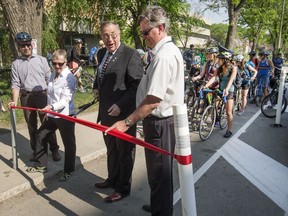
x=266 y=174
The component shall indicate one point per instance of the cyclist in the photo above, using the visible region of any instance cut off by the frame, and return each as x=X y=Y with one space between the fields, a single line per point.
x=246 y=69
x=188 y=57
x=278 y=62
x=264 y=68
x=226 y=73
x=75 y=62
x=209 y=68
x=254 y=59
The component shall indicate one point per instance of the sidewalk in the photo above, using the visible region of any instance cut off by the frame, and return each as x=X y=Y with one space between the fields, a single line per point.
x=89 y=142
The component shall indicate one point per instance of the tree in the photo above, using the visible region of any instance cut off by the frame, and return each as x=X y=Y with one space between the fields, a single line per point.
x=233 y=7
x=23 y=16
x=218 y=31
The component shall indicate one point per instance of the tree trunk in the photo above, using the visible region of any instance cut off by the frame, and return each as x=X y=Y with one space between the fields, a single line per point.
x=233 y=13
x=24 y=15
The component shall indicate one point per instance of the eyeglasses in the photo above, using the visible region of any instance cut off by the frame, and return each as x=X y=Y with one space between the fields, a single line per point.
x=146 y=33
x=24 y=45
x=107 y=36
x=58 y=63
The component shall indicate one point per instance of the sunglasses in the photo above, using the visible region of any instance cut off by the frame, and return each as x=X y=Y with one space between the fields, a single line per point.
x=24 y=45
x=58 y=63
x=145 y=33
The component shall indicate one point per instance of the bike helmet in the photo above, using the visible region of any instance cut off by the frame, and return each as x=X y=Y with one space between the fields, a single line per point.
x=238 y=58
x=253 y=53
x=225 y=55
x=78 y=40
x=23 y=37
x=212 y=50
x=264 y=52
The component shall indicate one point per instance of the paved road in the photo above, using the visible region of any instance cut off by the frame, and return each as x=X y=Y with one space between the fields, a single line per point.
x=244 y=175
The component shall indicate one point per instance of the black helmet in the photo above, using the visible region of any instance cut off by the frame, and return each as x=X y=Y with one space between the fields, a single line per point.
x=264 y=52
x=23 y=37
x=253 y=53
x=212 y=50
x=225 y=55
x=77 y=40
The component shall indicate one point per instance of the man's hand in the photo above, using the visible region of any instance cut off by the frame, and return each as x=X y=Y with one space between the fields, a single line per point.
x=114 y=110
x=12 y=103
x=120 y=126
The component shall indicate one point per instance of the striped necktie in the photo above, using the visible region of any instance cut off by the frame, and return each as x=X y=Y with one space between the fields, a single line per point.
x=104 y=67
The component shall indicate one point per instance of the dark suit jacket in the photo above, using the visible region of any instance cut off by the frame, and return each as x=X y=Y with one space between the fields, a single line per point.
x=119 y=84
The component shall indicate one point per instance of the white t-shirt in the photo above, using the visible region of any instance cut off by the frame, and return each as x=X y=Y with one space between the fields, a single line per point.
x=164 y=78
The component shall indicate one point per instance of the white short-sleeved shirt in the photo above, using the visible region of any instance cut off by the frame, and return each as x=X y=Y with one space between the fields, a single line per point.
x=164 y=78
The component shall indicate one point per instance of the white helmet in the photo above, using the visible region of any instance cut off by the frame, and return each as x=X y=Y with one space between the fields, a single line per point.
x=238 y=58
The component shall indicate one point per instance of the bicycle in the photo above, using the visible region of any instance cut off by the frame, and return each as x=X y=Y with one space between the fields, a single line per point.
x=87 y=79
x=197 y=106
x=258 y=92
x=238 y=99
x=269 y=103
x=212 y=113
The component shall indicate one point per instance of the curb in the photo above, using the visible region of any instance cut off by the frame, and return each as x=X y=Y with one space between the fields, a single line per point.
x=38 y=180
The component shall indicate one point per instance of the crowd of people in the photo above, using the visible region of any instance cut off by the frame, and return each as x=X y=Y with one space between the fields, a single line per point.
x=132 y=86
x=223 y=67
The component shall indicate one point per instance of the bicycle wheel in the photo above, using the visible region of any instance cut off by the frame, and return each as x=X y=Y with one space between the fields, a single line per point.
x=87 y=80
x=237 y=100
x=258 y=101
x=256 y=90
x=269 y=105
x=193 y=116
x=207 y=122
x=223 y=117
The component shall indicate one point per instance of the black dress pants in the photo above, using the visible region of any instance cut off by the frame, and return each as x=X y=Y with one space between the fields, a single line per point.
x=160 y=133
x=36 y=101
x=67 y=132
x=120 y=162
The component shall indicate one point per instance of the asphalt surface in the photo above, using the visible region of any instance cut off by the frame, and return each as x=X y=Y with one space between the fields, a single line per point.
x=244 y=175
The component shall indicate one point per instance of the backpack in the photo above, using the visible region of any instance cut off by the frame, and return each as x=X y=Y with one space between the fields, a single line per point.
x=238 y=79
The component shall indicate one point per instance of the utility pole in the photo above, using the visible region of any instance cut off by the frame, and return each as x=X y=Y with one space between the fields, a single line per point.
x=281 y=24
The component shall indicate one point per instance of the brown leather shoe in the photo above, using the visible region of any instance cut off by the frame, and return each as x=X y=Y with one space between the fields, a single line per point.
x=56 y=156
x=114 y=197
x=103 y=185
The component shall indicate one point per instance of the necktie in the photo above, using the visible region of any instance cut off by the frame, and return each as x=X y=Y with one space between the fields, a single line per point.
x=101 y=75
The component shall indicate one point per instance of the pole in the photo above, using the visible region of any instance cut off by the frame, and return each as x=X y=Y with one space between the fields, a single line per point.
x=13 y=139
x=280 y=96
x=183 y=148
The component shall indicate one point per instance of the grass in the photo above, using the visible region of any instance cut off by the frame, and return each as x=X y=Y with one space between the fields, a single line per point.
x=5 y=95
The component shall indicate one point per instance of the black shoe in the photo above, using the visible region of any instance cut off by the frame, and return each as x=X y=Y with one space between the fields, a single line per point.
x=146 y=208
x=32 y=157
x=56 y=156
x=228 y=134
x=103 y=185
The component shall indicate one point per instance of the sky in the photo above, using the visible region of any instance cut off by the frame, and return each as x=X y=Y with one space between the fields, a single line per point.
x=209 y=16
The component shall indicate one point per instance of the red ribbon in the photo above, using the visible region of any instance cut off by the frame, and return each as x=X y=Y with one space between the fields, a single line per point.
x=183 y=160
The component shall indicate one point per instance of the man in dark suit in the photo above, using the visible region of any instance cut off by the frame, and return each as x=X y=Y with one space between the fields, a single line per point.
x=119 y=73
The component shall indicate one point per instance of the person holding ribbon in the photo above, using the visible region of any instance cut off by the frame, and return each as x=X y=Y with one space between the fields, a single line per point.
x=119 y=72
x=60 y=91
x=30 y=75
x=161 y=87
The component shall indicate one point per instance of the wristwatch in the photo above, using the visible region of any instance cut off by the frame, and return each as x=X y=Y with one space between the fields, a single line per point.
x=128 y=122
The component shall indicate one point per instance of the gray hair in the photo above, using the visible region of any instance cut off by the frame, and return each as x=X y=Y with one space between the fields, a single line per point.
x=106 y=23
x=156 y=15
